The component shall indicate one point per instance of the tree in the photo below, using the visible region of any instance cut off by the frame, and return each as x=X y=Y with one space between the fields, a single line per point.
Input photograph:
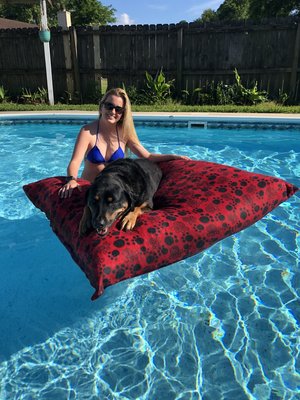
x=87 y=12
x=229 y=10
x=257 y=9
x=208 y=15
x=21 y=12
x=233 y=10
x=83 y=12
x=273 y=8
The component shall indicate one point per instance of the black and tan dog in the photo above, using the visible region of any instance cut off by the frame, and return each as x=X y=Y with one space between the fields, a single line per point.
x=122 y=191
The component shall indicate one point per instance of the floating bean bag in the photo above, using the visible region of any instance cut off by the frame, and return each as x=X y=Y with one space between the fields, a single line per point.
x=197 y=204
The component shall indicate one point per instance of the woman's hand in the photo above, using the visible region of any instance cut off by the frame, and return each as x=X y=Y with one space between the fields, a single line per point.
x=67 y=190
x=179 y=157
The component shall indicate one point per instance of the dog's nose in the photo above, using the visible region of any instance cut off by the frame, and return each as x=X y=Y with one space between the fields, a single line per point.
x=100 y=223
x=101 y=228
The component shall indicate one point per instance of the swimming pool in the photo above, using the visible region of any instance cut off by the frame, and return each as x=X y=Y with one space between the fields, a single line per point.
x=222 y=324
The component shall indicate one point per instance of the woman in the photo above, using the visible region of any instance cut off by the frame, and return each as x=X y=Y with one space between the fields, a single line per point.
x=106 y=140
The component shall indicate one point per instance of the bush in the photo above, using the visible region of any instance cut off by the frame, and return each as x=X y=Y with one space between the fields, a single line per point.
x=244 y=96
x=283 y=98
x=3 y=95
x=157 y=88
x=222 y=94
x=38 y=97
x=135 y=96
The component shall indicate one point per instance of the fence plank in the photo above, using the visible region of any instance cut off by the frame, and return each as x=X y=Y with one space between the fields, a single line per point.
x=295 y=63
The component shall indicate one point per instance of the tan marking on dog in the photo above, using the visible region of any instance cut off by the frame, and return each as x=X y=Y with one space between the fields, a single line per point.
x=116 y=214
x=129 y=221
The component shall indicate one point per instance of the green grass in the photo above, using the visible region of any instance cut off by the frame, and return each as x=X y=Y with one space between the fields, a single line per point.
x=269 y=107
x=260 y=108
x=8 y=107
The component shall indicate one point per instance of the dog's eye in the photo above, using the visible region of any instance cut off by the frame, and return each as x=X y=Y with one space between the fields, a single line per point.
x=94 y=200
x=110 y=199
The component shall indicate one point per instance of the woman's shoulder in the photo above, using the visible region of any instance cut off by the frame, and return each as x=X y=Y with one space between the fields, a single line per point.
x=90 y=128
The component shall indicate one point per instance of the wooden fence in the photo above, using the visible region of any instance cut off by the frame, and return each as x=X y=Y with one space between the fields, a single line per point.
x=194 y=55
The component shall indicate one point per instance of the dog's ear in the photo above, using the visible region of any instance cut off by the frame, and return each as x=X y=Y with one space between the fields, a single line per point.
x=130 y=199
x=85 y=223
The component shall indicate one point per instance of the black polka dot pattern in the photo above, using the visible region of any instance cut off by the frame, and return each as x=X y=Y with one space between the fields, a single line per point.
x=197 y=204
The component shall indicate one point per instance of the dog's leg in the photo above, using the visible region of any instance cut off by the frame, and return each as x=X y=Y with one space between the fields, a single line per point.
x=85 y=223
x=129 y=221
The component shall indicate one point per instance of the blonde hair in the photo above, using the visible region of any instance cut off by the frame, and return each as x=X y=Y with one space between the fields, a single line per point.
x=126 y=122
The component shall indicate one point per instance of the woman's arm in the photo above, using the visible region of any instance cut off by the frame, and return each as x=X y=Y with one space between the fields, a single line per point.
x=80 y=148
x=141 y=152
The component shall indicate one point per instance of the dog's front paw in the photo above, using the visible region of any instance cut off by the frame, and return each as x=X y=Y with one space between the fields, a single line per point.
x=128 y=222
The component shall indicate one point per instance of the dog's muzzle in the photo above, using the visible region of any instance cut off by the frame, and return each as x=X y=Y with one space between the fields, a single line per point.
x=102 y=231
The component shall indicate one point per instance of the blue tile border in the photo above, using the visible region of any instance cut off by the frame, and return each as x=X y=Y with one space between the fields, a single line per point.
x=22 y=121
x=195 y=123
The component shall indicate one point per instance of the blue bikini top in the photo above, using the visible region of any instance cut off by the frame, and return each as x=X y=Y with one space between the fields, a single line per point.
x=95 y=156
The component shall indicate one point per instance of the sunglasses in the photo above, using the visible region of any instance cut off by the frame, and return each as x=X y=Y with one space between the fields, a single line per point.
x=110 y=107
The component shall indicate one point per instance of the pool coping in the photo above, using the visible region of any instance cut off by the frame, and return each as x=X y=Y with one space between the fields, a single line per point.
x=158 y=114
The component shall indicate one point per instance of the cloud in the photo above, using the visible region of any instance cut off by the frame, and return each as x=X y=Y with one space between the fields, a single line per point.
x=124 y=19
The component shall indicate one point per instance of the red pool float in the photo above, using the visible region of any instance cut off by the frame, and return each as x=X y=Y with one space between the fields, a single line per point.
x=197 y=204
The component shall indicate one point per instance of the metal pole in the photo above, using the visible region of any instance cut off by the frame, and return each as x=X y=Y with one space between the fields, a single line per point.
x=49 y=73
x=44 y=24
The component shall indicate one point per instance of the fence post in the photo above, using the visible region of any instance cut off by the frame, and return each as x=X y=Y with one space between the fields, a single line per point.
x=47 y=55
x=76 y=75
x=68 y=62
x=294 y=71
x=97 y=60
x=179 y=61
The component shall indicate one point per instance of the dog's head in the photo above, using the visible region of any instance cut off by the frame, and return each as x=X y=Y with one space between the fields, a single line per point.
x=105 y=203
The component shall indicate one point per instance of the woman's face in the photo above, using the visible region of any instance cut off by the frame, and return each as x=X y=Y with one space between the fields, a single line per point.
x=112 y=109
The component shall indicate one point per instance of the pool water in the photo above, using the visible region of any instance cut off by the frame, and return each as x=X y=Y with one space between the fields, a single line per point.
x=220 y=325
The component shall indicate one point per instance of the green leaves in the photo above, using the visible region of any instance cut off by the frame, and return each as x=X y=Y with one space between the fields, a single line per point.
x=158 y=89
x=220 y=93
x=84 y=12
x=21 y=12
x=233 y=10
x=3 y=96
x=247 y=96
x=40 y=96
x=87 y=12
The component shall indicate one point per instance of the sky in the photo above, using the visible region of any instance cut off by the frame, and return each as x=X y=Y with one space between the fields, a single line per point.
x=159 y=11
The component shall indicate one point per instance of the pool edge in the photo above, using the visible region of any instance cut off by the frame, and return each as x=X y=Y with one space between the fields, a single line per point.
x=160 y=116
